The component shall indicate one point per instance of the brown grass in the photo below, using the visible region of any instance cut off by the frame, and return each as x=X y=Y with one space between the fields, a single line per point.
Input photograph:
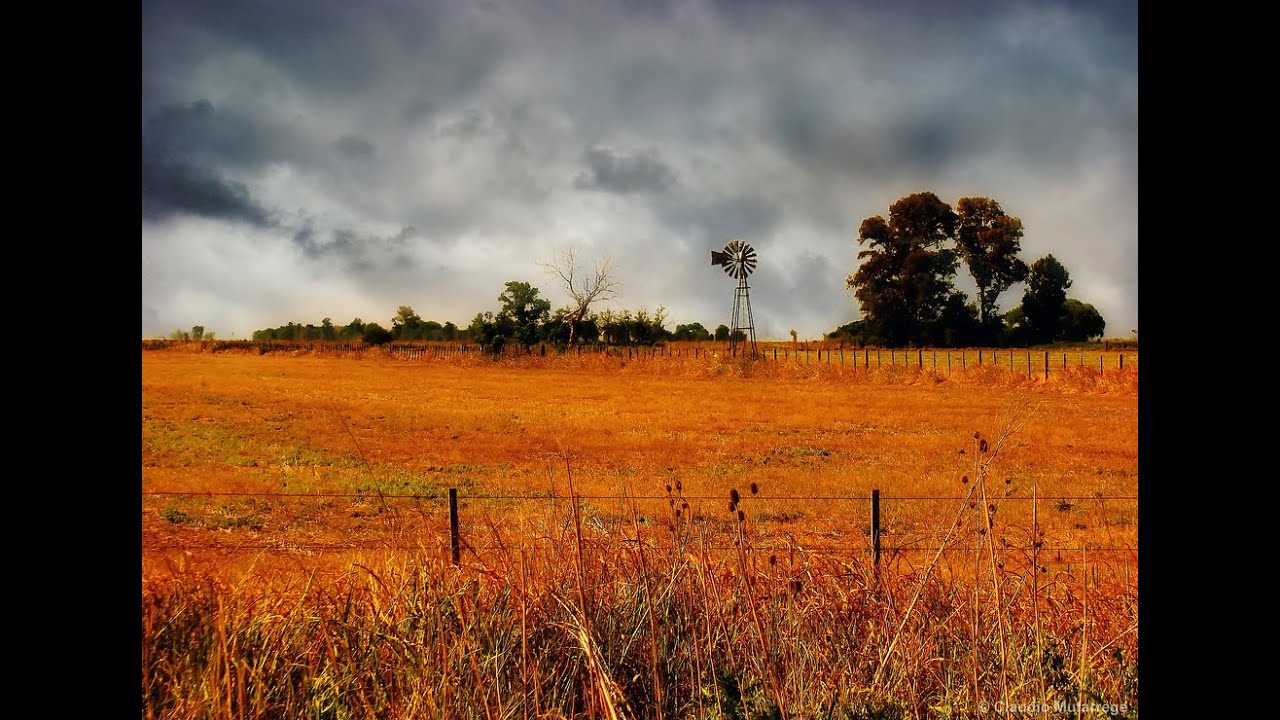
x=306 y=604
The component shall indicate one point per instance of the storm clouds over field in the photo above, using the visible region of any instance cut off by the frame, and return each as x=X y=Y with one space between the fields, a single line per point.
x=303 y=158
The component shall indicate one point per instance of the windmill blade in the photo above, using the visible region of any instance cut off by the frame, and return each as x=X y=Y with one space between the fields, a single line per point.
x=719 y=258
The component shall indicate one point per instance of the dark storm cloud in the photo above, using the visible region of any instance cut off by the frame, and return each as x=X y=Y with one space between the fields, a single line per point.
x=170 y=187
x=622 y=172
x=358 y=252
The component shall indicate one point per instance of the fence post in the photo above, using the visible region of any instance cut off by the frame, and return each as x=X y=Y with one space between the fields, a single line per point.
x=979 y=357
x=1046 y=364
x=1101 y=359
x=875 y=527
x=454 y=545
x=1028 y=363
x=842 y=356
x=1121 y=361
x=961 y=359
x=920 y=358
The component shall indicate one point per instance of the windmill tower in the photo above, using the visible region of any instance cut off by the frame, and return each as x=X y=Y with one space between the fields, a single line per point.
x=738 y=260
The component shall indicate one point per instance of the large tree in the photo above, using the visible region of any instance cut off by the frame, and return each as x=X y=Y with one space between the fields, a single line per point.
x=989 y=242
x=1044 y=302
x=524 y=310
x=1081 y=321
x=904 y=283
x=583 y=287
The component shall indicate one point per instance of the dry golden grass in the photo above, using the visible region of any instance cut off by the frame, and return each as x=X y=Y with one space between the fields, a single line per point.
x=346 y=460
x=281 y=424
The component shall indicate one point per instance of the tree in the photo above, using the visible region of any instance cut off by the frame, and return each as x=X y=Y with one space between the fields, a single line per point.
x=1045 y=299
x=583 y=288
x=722 y=332
x=989 y=242
x=692 y=331
x=353 y=330
x=905 y=279
x=197 y=332
x=406 y=325
x=1081 y=321
x=524 y=311
x=327 y=331
x=375 y=334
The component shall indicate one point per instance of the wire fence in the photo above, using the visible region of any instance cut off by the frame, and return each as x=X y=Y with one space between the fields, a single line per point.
x=940 y=361
x=859 y=535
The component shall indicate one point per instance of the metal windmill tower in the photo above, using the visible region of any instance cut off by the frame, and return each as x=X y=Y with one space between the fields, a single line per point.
x=738 y=260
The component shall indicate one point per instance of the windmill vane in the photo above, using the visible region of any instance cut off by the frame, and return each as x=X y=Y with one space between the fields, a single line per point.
x=738 y=259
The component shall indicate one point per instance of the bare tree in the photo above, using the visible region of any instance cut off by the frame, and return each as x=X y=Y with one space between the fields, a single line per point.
x=584 y=287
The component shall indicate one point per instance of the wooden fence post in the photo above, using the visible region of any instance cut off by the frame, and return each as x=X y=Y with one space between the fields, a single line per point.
x=1046 y=364
x=875 y=526
x=455 y=546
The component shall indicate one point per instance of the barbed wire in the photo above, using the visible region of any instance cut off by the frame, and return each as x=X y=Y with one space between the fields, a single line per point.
x=444 y=548
x=491 y=496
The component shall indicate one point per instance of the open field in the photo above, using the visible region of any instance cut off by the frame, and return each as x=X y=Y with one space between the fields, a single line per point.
x=295 y=537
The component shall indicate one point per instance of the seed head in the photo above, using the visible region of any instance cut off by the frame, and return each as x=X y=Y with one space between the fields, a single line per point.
x=965 y=480
x=755 y=489
x=668 y=488
x=678 y=486
x=741 y=516
x=733 y=506
x=982 y=446
x=773 y=560
x=734 y=496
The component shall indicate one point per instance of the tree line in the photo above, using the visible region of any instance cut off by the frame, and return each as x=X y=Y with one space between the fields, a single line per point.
x=904 y=286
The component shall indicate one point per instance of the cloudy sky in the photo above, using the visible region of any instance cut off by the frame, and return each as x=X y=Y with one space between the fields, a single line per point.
x=304 y=159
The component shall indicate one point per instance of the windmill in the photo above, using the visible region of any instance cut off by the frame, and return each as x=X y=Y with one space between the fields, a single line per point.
x=738 y=260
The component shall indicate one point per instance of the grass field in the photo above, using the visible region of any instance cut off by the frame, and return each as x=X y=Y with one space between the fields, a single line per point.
x=295 y=537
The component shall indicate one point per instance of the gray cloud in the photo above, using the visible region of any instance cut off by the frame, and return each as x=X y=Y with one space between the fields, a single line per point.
x=307 y=134
x=176 y=187
x=355 y=147
x=621 y=172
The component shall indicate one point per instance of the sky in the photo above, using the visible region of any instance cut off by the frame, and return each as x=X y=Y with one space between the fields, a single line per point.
x=304 y=159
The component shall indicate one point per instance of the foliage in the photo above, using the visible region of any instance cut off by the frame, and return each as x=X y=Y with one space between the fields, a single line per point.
x=375 y=334
x=989 y=241
x=692 y=331
x=1044 y=302
x=905 y=279
x=1081 y=321
x=523 y=312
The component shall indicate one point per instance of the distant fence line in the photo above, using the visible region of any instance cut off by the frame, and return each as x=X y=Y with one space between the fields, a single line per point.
x=1034 y=362
x=456 y=541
